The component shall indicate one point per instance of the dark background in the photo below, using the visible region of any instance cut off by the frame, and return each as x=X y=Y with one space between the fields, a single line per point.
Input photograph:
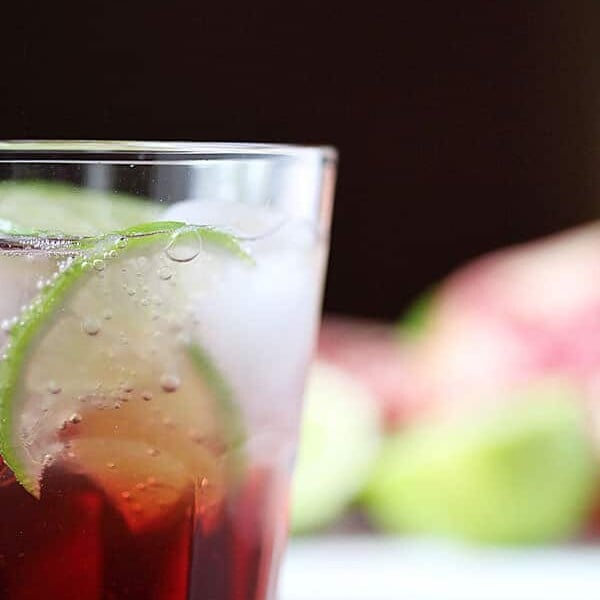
x=462 y=126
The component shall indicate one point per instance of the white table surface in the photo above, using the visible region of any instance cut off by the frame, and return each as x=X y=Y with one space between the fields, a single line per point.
x=370 y=568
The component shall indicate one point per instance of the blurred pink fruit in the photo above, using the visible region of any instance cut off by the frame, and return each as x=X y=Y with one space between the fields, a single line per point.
x=515 y=316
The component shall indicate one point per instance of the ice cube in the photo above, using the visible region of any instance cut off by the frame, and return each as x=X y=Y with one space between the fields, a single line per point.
x=269 y=227
x=240 y=219
x=257 y=322
x=21 y=278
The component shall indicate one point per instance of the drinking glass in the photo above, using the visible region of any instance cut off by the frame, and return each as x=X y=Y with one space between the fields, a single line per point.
x=159 y=305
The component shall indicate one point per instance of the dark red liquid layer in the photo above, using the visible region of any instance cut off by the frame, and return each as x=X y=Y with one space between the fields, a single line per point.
x=72 y=544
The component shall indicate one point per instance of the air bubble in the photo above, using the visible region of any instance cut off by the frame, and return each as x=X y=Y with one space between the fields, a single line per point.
x=145 y=302
x=175 y=325
x=147 y=396
x=107 y=314
x=131 y=292
x=169 y=383
x=126 y=495
x=195 y=436
x=47 y=460
x=99 y=264
x=91 y=326
x=75 y=418
x=184 y=246
x=111 y=465
x=153 y=452
x=54 y=388
x=111 y=254
x=121 y=243
x=140 y=486
x=165 y=273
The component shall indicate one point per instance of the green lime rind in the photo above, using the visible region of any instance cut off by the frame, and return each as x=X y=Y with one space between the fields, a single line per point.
x=38 y=316
x=523 y=474
x=63 y=210
x=22 y=337
x=223 y=393
x=175 y=230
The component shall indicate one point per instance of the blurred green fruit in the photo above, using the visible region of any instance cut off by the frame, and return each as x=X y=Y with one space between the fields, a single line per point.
x=522 y=473
x=413 y=322
x=339 y=441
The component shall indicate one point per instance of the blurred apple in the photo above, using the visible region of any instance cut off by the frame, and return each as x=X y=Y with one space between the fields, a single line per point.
x=520 y=473
x=511 y=318
x=514 y=316
x=339 y=441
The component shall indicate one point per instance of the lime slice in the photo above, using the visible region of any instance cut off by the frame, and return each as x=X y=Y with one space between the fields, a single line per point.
x=29 y=207
x=523 y=474
x=102 y=376
x=340 y=435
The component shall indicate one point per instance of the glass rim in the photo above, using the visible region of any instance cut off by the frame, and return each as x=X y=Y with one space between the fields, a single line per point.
x=153 y=152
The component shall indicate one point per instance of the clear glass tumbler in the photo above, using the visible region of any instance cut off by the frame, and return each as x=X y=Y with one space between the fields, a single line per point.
x=159 y=305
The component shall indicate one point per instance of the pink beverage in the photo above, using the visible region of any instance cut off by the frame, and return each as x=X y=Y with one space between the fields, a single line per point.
x=156 y=337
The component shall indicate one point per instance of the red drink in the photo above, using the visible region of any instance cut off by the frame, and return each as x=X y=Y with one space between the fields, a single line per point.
x=72 y=544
